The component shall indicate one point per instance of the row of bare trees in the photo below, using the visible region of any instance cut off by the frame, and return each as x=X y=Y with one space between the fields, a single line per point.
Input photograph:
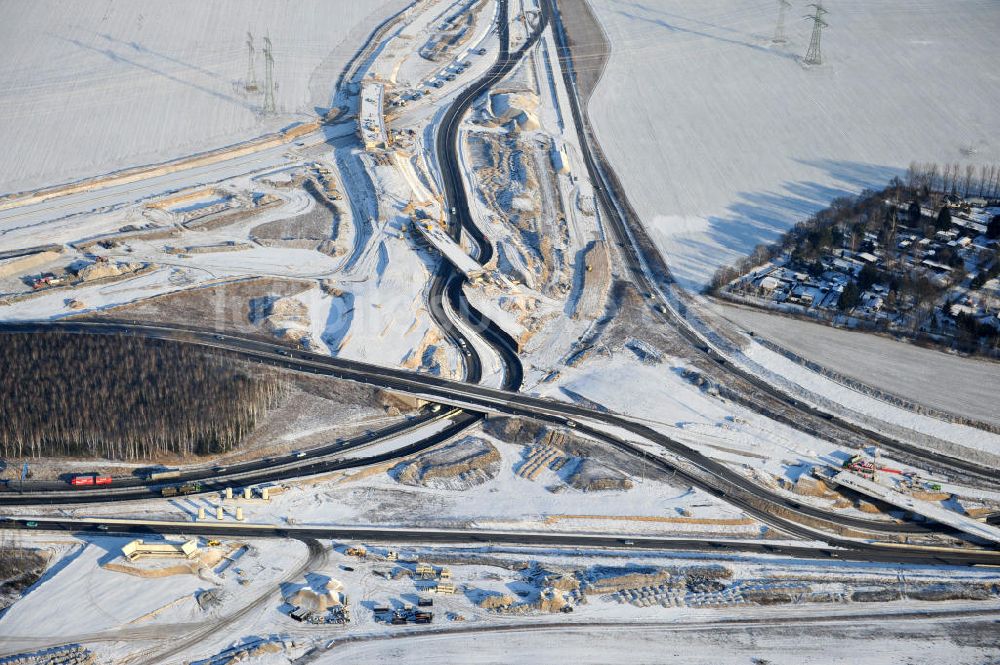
x=124 y=397
x=955 y=179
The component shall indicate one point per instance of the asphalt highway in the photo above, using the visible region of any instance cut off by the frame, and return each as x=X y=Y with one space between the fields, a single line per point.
x=327 y=459
x=854 y=552
x=449 y=280
x=700 y=470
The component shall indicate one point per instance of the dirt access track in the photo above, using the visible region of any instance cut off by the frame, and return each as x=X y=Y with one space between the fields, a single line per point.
x=151 y=171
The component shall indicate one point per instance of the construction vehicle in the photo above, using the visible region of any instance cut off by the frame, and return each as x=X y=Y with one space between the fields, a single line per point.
x=359 y=552
x=169 y=491
x=213 y=543
x=865 y=466
x=189 y=488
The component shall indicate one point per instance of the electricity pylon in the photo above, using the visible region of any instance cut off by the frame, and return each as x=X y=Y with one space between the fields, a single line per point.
x=251 y=80
x=268 y=77
x=779 y=29
x=814 y=56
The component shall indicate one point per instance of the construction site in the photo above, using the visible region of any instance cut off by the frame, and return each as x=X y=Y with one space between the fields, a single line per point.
x=393 y=336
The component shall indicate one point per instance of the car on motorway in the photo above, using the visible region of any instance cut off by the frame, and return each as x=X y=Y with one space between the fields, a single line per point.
x=31 y=525
x=298 y=454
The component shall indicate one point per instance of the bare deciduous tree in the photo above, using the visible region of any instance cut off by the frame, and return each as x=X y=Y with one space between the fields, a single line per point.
x=124 y=397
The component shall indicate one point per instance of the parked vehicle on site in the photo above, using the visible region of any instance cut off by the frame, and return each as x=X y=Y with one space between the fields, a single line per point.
x=186 y=488
x=89 y=479
x=165 y=474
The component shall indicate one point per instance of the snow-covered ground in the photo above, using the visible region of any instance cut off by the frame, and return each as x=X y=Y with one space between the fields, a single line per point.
x=926 y=642
x=91 y=89
x=925 y=376
x=723 y=140
x=80 y=600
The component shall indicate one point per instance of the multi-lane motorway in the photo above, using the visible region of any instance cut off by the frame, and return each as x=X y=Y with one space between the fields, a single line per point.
x=689 y=464
x=396 y=535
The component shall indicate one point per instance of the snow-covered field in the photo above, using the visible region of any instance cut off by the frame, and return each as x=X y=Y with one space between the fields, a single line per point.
x=90 y=89
x=926 y=642
x=939 y=380
x=724 y=141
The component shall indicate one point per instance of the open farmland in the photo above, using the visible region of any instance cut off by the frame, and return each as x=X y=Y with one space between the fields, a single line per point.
x=939 y=380
x=726 y=141
x=90 y=89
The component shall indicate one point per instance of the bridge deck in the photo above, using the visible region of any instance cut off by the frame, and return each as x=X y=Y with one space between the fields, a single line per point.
x=925 y=508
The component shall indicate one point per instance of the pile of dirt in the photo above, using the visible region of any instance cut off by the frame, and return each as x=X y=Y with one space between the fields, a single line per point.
x=317 y=599
x=876 y=594
x=592 y=476
x=808 y=486
x=552 y=600
x=496 y=601
x=609 y=579
x=460 y=465
x=104 y=269
x=285 y=318
x=429 y=356
x=867 y=507
x=949 y=591
x=518 y=107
